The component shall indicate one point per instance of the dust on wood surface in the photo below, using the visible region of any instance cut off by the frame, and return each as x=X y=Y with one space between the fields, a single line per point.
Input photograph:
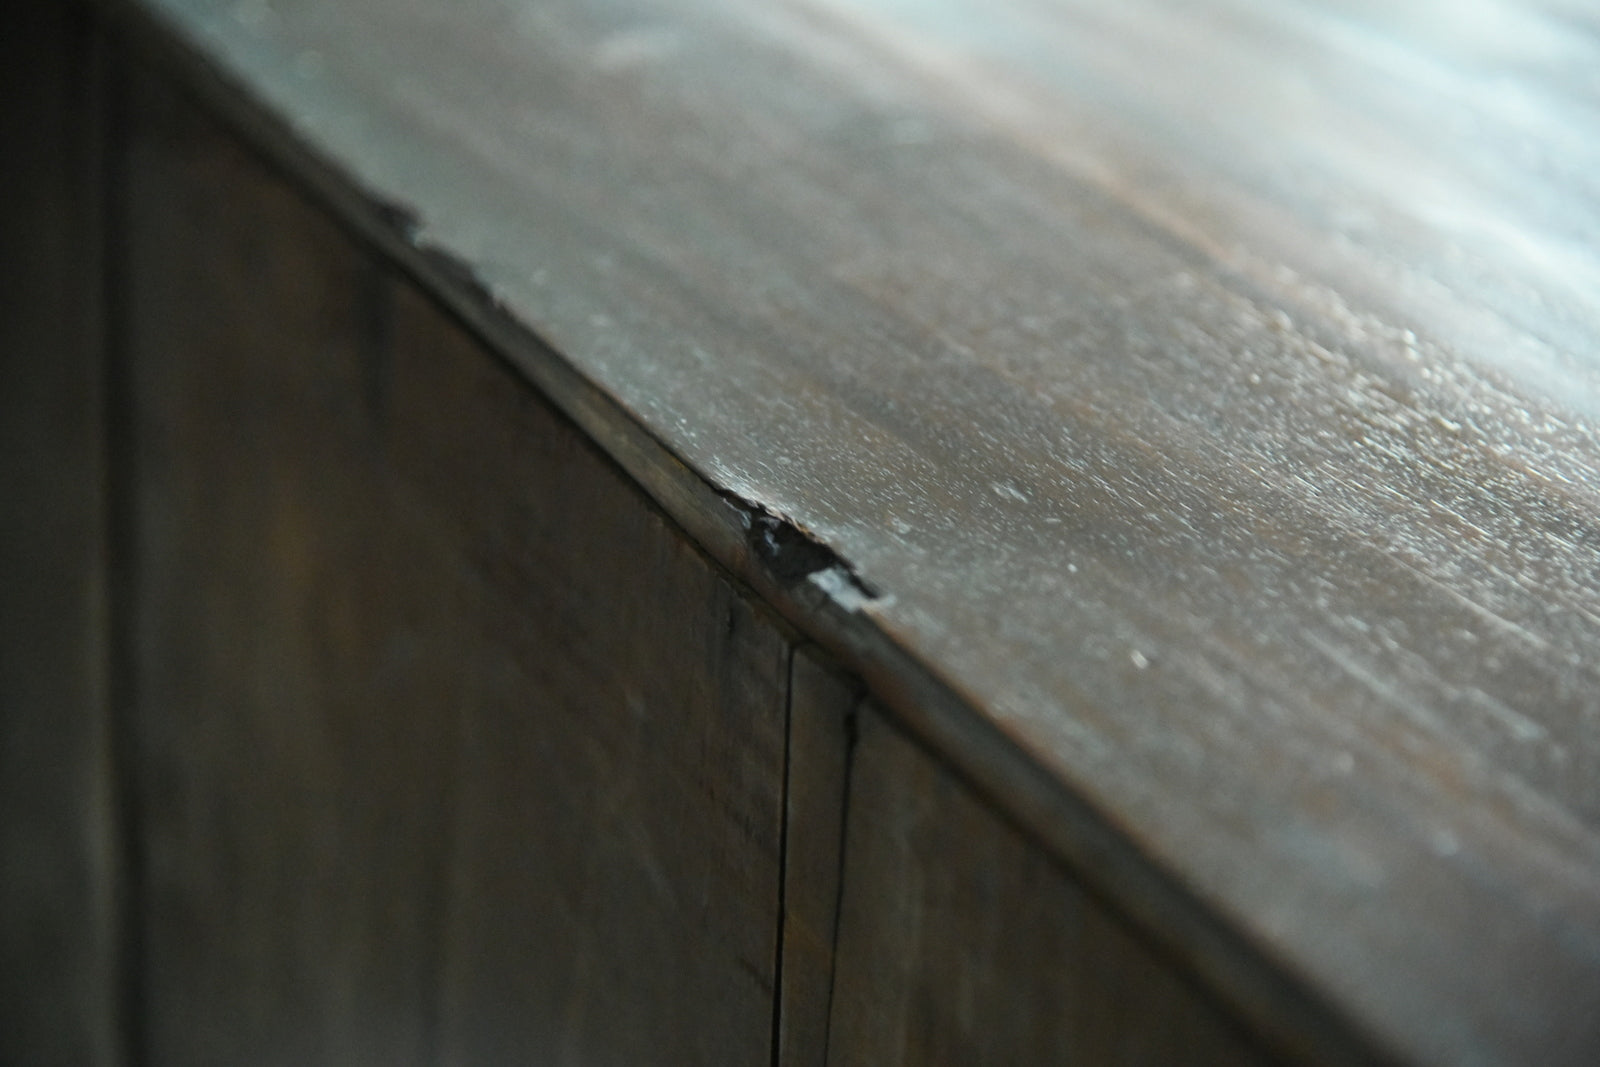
x=1208 y=391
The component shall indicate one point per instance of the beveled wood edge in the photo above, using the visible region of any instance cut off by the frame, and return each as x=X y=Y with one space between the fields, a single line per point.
x=1267 y=993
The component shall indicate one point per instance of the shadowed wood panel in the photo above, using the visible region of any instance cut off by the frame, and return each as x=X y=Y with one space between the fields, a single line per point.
x=614 y=878
x=299 y=671
x=57 y=877
x=453 y=748
x=962 y=941
x=822 y=705
x=1209 y=389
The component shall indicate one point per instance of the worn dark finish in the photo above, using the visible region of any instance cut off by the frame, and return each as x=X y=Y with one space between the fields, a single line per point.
x=1209 y=392
x=298 y=682
x=822 y=706
x=58 y=885
x=452 y=749
x=961 y=941
x=614 y=880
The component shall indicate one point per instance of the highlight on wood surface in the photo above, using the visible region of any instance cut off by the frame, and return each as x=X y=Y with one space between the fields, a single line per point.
x=1177 y=419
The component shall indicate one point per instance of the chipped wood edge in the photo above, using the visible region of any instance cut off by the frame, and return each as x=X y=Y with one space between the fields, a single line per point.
x=826 y=603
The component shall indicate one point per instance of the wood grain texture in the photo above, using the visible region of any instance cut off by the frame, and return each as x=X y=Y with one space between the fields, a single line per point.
x=453 y=748
x=822 y=704
x=1208 y=388
x=298 y=679
x=58 y=870
x=614 y=881
x=961 y=941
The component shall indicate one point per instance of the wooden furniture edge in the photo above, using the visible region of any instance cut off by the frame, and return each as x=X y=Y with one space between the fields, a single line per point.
x=1266 y=992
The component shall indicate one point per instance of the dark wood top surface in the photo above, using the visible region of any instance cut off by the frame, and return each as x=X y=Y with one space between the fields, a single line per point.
x=1207 y=392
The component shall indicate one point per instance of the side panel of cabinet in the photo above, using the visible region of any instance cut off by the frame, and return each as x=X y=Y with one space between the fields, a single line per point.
x=822 y=704
x=962 y=942
x=614 y=881
x=450 y=748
